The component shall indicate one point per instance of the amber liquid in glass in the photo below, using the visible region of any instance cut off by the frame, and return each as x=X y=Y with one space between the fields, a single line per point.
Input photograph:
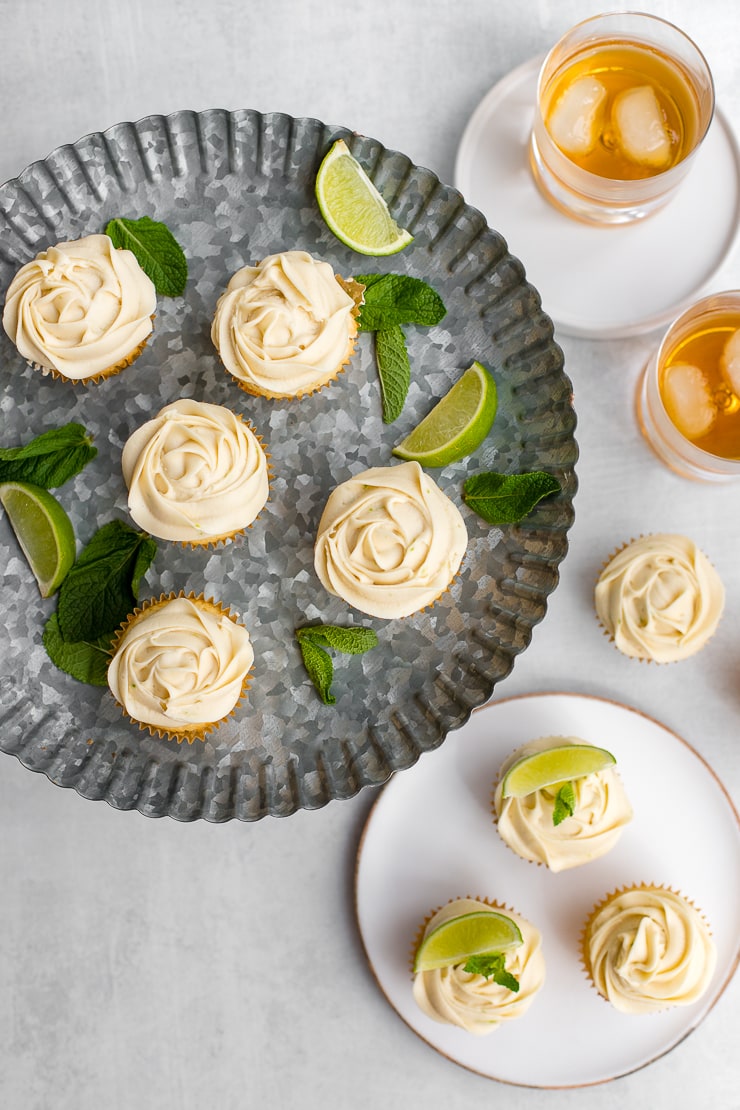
x=618 y=67
x=703 y=348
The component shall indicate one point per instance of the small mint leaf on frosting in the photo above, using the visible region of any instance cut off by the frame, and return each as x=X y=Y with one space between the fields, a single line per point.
x=394 y=370
x=492 y=967
x=565 y=803
x=157 y=251
x=507 y=498
x=315 y=638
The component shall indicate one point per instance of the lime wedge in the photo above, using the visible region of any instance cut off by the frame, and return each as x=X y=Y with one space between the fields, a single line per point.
x=457 y=424
x=481 y=933
x=353 y=208
x=43 y=530
x=561 y=763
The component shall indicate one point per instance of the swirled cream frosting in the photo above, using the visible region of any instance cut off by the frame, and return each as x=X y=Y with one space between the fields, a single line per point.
x=286 y=326
x=647 y=949
x=389 y=541
x=80 y=308
x=659 y=598
x=195 y=473
x=473 y=1002
x=601 y=811
x=180 y=665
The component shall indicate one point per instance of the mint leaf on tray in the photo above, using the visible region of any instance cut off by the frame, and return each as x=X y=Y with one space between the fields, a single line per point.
x=394 y=370
x=391 y=299
x=507 y=498
x=102 y=587
x=315 y=638
x=157 y=251
x=50 y=459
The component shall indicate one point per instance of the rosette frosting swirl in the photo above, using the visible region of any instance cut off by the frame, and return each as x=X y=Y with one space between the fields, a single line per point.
x=659 y=598
x=180 y=664
x=389 y=541
x=647 y=949
x=285 y=326
x=80 y=308
x=196 y=472
x=474 y=1002
x=600 y=813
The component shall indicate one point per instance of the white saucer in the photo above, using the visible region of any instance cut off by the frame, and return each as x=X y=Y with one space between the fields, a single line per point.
x=599 y=282
x=430 y=837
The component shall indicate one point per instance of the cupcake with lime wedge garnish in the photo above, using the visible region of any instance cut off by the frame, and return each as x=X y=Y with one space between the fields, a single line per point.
x=477 y=965
x=559 y=801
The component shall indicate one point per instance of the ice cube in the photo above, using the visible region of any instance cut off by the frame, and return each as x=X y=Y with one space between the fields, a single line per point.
x=640 y=127
x=729 y=362
x=688 y=400
x=575 y=121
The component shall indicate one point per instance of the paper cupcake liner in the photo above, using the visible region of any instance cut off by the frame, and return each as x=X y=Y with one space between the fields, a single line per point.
x=610 y=635
x=656 y=888
x=200 y=731
x=94 y=379
x=501 y=907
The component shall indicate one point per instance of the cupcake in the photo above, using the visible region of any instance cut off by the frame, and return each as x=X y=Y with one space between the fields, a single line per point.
x=287 y=326
x=472 y=1000
x=389 y=541
x=196 y=474
x=659 y=598
x=80 y=310
x=542 y=828
x=647 y=948
x=180 y=666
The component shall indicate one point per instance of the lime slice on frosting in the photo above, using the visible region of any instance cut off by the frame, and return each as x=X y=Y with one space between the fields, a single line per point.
x=353 y=208
x=481 y=933
x=457 y=424
x=43 y=530
x=561 y=763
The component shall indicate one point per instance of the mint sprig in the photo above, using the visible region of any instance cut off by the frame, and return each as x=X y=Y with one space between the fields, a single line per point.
x=50 y=459
x=565 y=803
x=394 y=371
x=398 y=299
x=492 y=966
x=102 y=587
x=313 y=641
x=157 y=251
x=507 y=498
x=389 y=301
x=97 y=595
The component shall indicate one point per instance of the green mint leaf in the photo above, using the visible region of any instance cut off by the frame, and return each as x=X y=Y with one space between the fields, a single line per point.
x=350 y=641
x=87 y=662
x=492 y=967
x=391 y=299
x=320 y=669
x=507 y=498
x=157 y=251
x=312 y=641
x=394 y=371
x=50 y=459
x=565 y=803
x=101 y=589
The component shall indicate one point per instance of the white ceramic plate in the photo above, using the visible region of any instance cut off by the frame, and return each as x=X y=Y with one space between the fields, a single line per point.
x=599 y=282
x=430 y=837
